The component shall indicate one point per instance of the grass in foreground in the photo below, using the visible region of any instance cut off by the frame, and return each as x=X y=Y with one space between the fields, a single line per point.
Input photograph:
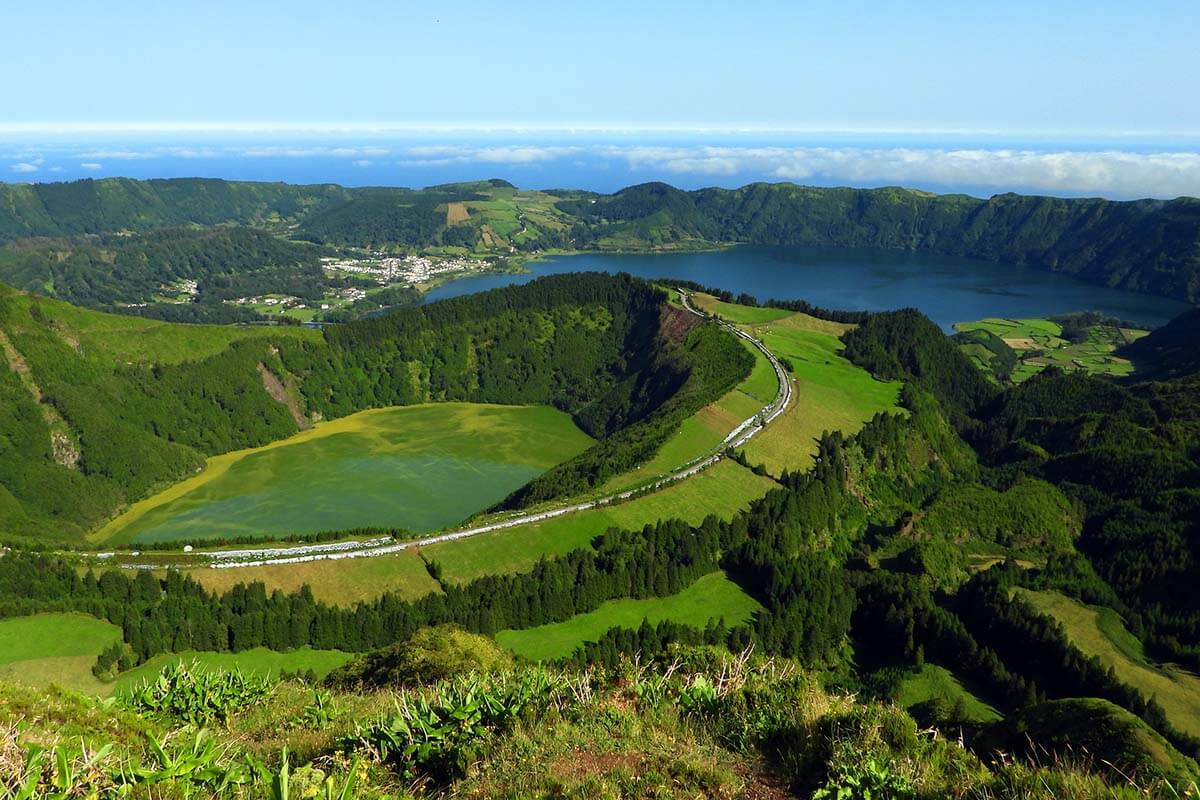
x=710 y=725
x=416 y=467
x=1100 y=632
x=713 y=596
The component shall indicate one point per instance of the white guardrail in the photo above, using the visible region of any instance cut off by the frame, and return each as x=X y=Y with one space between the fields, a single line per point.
x=382 y=546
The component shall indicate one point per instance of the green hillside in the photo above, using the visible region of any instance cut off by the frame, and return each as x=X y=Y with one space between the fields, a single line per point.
x=94 y=421
x=1143 y=245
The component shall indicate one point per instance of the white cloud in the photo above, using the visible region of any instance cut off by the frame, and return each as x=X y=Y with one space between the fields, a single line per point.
x=362 y=162
x=91 y=165
x=122 y=155
x=312 y=152
x=25 y=167
x=1106 y=172
x=432 y=155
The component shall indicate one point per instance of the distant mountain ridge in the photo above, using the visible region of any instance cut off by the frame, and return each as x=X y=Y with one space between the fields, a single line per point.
x=1149 y=246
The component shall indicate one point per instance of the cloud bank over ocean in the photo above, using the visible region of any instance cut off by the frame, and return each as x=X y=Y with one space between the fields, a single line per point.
x=1108 y=170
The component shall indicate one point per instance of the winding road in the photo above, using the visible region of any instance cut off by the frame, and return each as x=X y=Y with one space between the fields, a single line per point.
x=744 y=432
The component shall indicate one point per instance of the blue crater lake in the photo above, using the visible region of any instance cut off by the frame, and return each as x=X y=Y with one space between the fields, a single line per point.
x=947 y=289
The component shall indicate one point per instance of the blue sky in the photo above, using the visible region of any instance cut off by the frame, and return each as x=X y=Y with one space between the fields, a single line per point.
x=1060 y=97
x=1097 y=67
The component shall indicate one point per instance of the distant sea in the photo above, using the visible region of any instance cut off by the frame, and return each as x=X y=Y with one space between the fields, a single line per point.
x=605 y=162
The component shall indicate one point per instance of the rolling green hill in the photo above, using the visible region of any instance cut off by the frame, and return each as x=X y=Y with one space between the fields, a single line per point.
x=1144 y=245
x=91 y=424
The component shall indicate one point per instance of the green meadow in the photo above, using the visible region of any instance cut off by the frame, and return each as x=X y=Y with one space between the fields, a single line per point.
x=1101 y=633
x=1039 y=344
x=932 y=682
x=713 y=596
x=829 y=393
x=421 y=468
x=723 y=490
x=60 y=649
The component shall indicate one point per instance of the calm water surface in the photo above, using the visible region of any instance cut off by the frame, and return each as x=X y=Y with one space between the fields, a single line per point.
x=945 y=288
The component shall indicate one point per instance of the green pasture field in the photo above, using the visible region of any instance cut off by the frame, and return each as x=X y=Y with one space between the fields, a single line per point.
x=259 y=662
x=60 y=649
x=1039 y=344
x=420 y=467
x=932 y=681
x=1038 y=329
x=829 y=393
x=741 y=315
x=1101 y=633
x=762 y=383
x=342 y=582
x=723 y=489
x=112 y=340
x=711 y=597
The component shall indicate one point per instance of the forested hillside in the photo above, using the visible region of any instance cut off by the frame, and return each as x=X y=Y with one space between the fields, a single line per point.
x=1172 y=351
x=86 y=431
x=1147 y=246
x=123 y=204
x=103 y=271
x=926 y=544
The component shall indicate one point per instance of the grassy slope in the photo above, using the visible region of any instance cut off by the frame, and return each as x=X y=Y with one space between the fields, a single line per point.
x=710 y=597
x=723 y=489
x=111 y=340
x=830 y=393
x=933 y=682
x=417 y=467
x=59 y=649
x=46 y=649
x=1099 y=632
